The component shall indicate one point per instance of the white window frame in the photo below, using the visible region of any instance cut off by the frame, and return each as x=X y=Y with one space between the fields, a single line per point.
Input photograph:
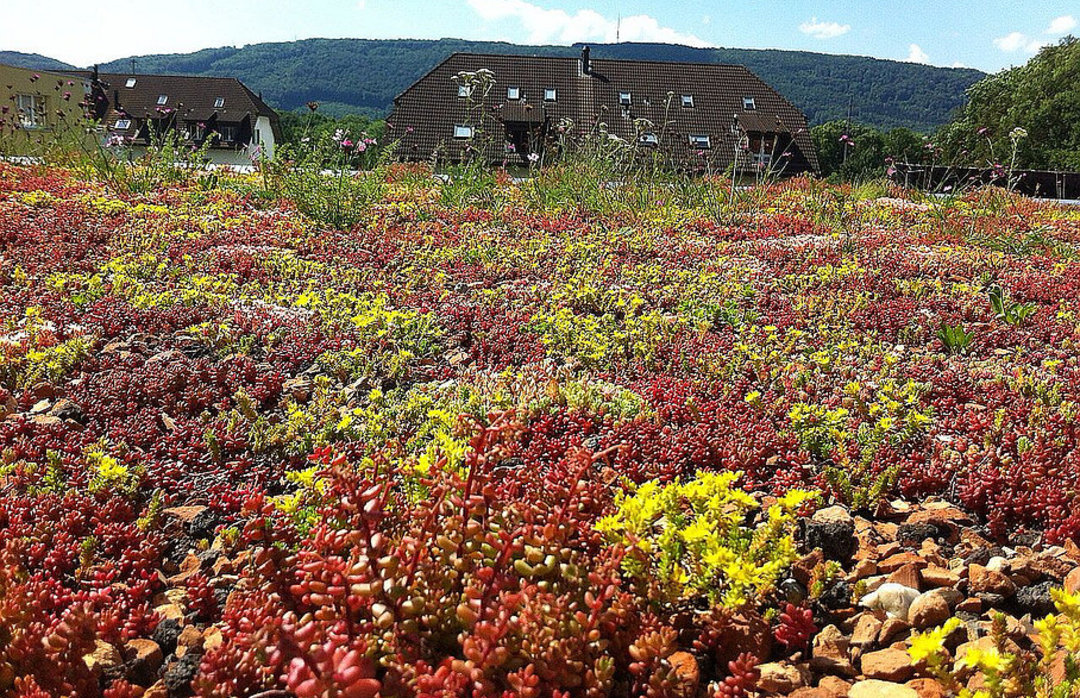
x=31 y=109
x=123 y=124
x=130 y=83
x=463 y=131
x=551 y=94
x=649 y=138
x=513 y=93
x=701 y=141
x=687 y=101
x=464 y=90
x=162 y=100
x=749 y=104
x=626 y=98
x=219 y=102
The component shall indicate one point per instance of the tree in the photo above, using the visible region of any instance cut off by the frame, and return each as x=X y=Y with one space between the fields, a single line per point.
x=1041 y=97
x=857 y=151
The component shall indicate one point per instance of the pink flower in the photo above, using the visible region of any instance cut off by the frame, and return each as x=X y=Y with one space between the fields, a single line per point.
x=346 y=143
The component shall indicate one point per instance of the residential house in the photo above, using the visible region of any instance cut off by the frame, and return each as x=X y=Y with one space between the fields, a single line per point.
x=233 y=122
x=693 y=114
x=37 y=107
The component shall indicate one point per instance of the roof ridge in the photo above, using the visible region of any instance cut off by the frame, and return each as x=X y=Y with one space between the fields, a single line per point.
x=594 y=59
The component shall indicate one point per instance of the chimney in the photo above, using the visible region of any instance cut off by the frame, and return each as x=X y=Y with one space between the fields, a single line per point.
x=586 y=67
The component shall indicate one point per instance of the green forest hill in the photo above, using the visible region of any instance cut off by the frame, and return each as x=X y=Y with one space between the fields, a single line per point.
x=363 y=76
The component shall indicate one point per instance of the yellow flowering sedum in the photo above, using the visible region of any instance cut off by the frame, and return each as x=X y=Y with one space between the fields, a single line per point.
x=691 y=538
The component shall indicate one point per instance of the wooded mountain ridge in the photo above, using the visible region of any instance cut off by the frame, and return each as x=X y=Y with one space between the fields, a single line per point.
x=364 y=75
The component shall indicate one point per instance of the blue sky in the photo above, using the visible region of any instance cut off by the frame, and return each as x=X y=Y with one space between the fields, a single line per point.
x=990 y=34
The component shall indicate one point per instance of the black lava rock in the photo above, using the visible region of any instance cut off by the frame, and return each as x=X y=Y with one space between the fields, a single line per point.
x=180 y=674
x=166 y=634
x=836 y=597
x=1035 y=599
x=204 y=524
x=911 y=534
x=836 y=539
x=981 y=556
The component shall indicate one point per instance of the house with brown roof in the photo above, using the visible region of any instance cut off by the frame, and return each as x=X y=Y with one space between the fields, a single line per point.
x=691 y=113
x=37 y=108
x=233 y=122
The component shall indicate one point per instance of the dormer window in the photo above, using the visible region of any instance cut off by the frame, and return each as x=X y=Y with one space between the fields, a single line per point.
x=550 y=95
x=130 y=83
x=700 y=141
x=649 y=138
x=162 y=100
x=464 y=90
x=513 y=93
x=219 y=103
x=123 y=124
x=227 y=133
x=748 y=103
x=688 y=101
x=463 y=131
x=625 y=98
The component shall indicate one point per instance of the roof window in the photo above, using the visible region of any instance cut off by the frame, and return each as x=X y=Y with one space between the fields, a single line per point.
x=123 y=124
x=464 y=90
x=748 y=103
x=162 y=99
x=463 y=131
x=130 y=82
x=625 y=98
x=513 y=93
x=649 y=138
x=550 y=95
x=219 y=103
x=688 y=101
x=700 y=141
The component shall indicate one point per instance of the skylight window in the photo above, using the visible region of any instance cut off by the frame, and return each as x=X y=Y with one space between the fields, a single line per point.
x=130 y=82
x=219 y=103
x=464 y=90
x=748 y=103
x=513 y=93
x=649 y=138
x=625 y=98
x=688 y=101
x=162 y=99
x=463 y=131
x=123 y=124
x=700 y=141
x=550 y=95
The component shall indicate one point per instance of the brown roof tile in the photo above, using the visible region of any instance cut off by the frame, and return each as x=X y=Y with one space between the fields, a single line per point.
x=425 y=113
x=189 y=98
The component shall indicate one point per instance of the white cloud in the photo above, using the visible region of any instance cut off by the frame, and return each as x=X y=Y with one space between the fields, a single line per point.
x=1018 y=41
x=917 y=55
x=558 y=26
x=823 y=30
x=959 y=64
x=1061 y=25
